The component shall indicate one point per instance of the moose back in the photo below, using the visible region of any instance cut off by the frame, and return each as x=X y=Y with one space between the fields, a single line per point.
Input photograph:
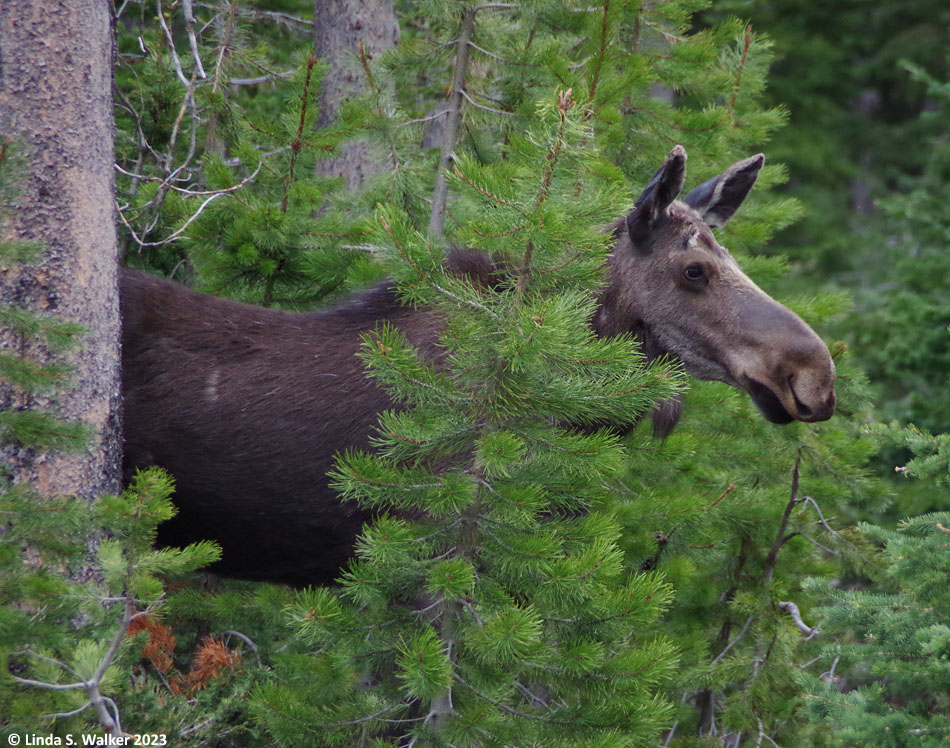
x=247 y=406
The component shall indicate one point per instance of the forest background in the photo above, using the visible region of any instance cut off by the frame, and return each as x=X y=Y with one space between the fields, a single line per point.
x=788 y=586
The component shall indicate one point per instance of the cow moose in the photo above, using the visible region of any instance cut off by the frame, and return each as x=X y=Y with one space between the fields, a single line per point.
x=246 y=406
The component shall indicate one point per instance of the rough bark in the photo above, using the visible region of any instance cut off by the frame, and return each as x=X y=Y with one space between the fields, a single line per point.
x=56 y=110
x=340 y=29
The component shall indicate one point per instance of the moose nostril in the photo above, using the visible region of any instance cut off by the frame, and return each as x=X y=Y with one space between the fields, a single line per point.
x=822 y=410
x=805 y=413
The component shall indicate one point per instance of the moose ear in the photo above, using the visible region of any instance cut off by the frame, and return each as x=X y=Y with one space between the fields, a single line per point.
x=662 y=190
x=718 y=199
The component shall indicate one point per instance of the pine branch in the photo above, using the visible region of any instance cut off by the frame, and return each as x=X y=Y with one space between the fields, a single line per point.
x=297 y=143
x=92 y=686
x=746 y=43
x=780 y=538
x=450 y=132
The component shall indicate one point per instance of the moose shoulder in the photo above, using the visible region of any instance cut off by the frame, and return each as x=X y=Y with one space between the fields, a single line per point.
x=247 y=406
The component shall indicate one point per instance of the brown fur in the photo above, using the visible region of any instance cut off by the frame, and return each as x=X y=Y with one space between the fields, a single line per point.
x=247 y=406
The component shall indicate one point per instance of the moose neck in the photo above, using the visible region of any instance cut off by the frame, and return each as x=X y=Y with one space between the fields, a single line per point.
x=617 y=314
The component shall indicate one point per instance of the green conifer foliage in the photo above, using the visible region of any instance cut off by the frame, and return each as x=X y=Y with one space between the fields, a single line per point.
x=65 y=655
x=889 y=677
x=216 y=149
x=889 y=681
x=904 y=339
x=738 y=514
x=854 y=134
x=66 y=643
x=504 y=614
x=276 y=241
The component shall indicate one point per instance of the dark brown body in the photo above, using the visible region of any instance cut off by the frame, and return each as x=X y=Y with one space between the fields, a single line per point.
x=246 y=406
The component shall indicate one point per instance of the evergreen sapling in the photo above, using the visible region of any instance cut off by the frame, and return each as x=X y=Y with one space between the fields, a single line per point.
x=490 y=603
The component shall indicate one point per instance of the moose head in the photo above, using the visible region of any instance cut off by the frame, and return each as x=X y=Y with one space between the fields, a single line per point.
x=685 y=296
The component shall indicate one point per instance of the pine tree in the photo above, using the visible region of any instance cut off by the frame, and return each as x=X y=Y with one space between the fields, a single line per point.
x=854 y=132
x=278 y=240
x=738 y=515
x=738 y=698
x=888 y=679
x=64 y=616
x=905 y=340
x=505 y=615
x=889 y=676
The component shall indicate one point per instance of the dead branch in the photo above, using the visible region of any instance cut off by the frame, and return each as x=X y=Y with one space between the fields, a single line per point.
x=796 y=616
x=484 y=108
x=173 y=53
x=189 y=13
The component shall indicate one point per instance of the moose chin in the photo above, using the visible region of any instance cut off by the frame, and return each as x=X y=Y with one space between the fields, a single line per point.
x=246 y=406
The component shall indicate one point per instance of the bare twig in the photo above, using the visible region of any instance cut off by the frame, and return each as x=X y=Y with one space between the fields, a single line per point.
x=672 y=732
x=796 y=615
x=247 y=640
x=808 y=500
x=199 y=726
x=143 y=141
x=173 y=53
x=259 y=79
x=105 y=708
x=279 y=18
x=171 y=237
x=735 y=641
x=428 y=118
x=484 y=108
x=505 y=60
x=187 y=103
x=825 y=548
x=49 y=686
x=762 y=735
x=189 y=13
x=829 y=675
x=780 y=537
x=192 y=193
x=212 y=196
x=66 y=715
x=532 y=697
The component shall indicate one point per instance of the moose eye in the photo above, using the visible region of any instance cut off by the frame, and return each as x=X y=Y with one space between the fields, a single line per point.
x=693 y=273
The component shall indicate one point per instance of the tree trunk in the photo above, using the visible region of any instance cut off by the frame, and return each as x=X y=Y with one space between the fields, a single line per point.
x=340 y=27
x=56 y=113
